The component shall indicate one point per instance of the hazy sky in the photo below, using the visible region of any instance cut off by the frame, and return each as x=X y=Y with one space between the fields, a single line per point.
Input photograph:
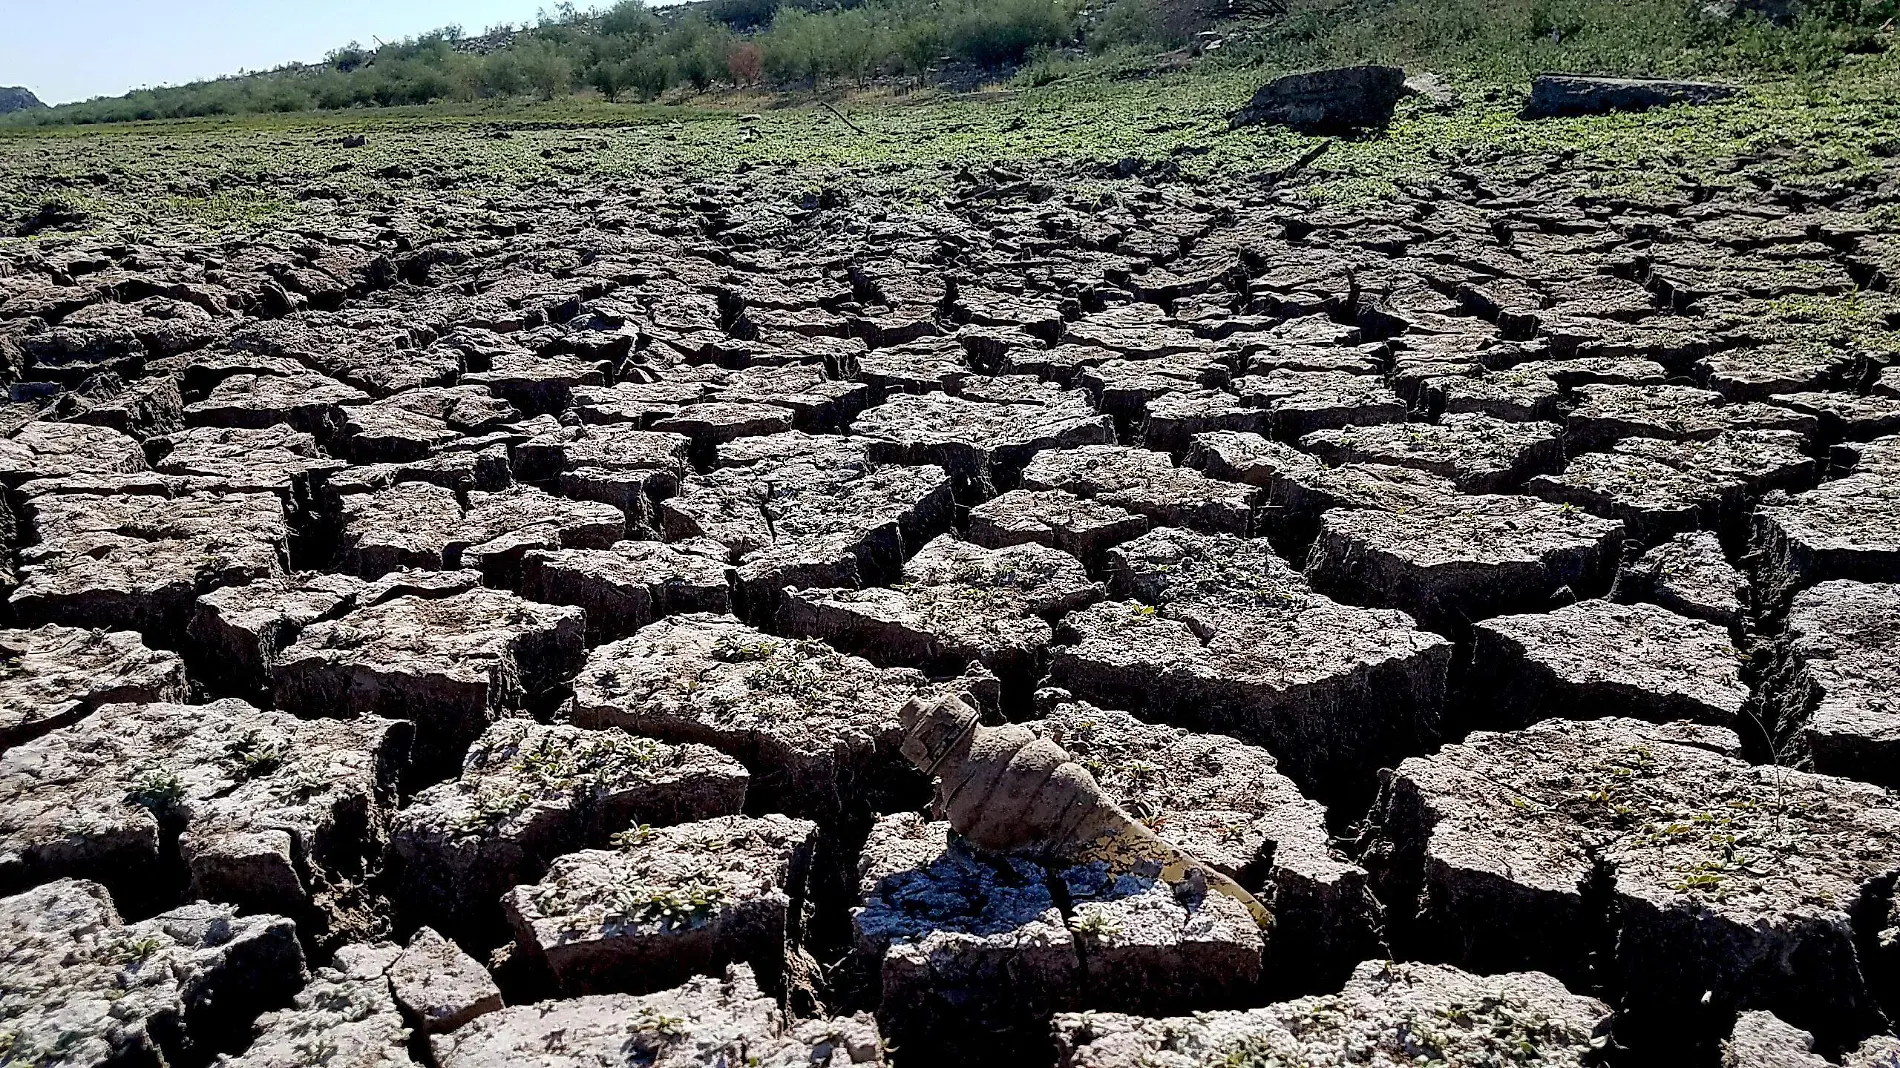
x=65 y=50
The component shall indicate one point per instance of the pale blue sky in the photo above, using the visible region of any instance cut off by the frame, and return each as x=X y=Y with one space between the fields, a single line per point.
x=65 y=50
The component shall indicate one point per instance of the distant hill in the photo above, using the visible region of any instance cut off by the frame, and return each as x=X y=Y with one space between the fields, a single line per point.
x=17 y=98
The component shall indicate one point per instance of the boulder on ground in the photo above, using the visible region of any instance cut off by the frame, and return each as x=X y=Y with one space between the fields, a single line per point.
x=1326 y=101
x=1554 y=95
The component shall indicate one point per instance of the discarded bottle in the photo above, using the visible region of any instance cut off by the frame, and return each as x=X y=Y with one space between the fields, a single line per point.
x=1008 y=791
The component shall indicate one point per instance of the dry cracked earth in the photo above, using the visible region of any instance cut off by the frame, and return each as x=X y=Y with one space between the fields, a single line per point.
x=475 y=636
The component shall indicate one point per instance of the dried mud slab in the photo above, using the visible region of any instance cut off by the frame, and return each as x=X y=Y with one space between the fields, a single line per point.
x=273 y=459
x=1843 y=529
x=1082 y=528
x=1603 y=414
x=1844 y=650
x=52 y=677
x=1299 y=487
x=1689 y=575
x=1463 y=559
x=84 y=988
x=451 y=665
x=1648 y=861
x=956 y=603
x=968 y=956
x=817 y=729
x=1297 y=403
x=705 y=1023
x=499 y=528
x=984 y=446
x=407 y=525
x=65 y=450
x=345 y=1017
x=238 y=634
x=1220 y=634
x=810 y=512
x=1387 y=1014
x=251 y=807
x=416 y=423
x=1596 y=658
x=668 y=903
x=1146 y=483
x=1477 y=453
x=137 y=561
x=631 y=584
x=529 y=793
x=310 y=403
x=438 y=986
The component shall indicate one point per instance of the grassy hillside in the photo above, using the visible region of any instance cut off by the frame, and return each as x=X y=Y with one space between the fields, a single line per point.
x=723 y=47
x=209 y=176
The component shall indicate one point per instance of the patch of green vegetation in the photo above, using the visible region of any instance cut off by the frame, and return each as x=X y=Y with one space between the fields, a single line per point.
x=140 y=950
x=687 y=904
x=731 y=650
x=158 y=791
x=253 y=756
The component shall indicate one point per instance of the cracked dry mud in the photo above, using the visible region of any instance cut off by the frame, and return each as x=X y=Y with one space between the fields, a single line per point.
x=475 y=634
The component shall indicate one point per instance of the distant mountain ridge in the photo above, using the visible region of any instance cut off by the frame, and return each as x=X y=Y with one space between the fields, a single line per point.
x=17 y=98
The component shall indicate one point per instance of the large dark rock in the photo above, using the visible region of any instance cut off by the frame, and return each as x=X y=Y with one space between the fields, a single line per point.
x=1326 y=101
x=1555 y=95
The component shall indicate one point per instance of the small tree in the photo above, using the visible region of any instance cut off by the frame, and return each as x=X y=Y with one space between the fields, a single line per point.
x=745 y=63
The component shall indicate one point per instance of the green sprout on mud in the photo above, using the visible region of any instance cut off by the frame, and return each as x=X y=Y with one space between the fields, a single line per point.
x=783 y=673
x=492 y=808
x=251 y=756
x=140 y=950
x=659 y=1023
x=633 y=837
x=1096 y=925
x=686 y=905
x=157 y=791
x=731 y=650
